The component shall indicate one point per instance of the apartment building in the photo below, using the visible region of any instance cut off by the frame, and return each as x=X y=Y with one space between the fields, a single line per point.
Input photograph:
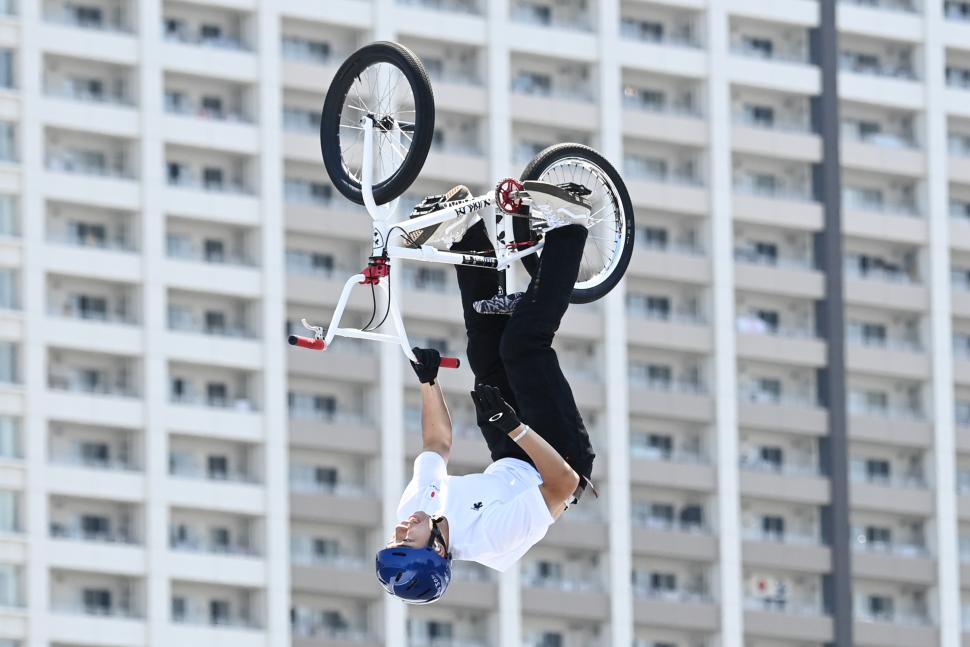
x=779 y=392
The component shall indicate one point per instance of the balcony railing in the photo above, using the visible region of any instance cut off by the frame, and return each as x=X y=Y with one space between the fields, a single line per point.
x=467 y=148
x=458 y=77
x=748 y=186
x=70 y=163
x=204 y=619
x=534 y=16
x=880 y=139
x=756 y=533
x=849 y=62
x=643 y=169
x=633 y=30
x=191 y=109
x=675 y=595
x=303 y=192
x=75 y=458
x=751 y=393
x=778 y=124
x=324 y=415
x=232 y=187
x=688 y=249
x=670 y=525
x=885 y=5
x=801 y=467
x=959 y=145
x=343 y=562
x=456 y=6
x=64 y=16
x=76 y=385
x=238 y=403
x=672 y=456
x=896 y=413
x=524 y=85
x=910 y=618
x=750 y=325
x=298 y=484
x=854 y=200
x=197 y=327
x=71 y=311
x=635 y=102
x=782 y=605
x=754 y=257
x=76 y=532
x=691 y=387
x=889 y=343
x=888 y=548
x=783 y=56
x=193 y=471
x=958 y=77
x=190 y=252
x=99 y=611
x=563 y=584
x=859 y=474
x=74 y=93
x=199 y=39
x=645 y=312
x=195 y=545
x=120 y=243
x=311 y=628
x=886 y=274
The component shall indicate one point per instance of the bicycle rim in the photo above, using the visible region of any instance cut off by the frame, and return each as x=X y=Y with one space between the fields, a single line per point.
x=383 y=93
x=604 y=245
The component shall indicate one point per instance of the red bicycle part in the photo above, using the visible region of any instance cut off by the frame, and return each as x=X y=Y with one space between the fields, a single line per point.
x=377 y=268
x=450 y=362
x=306 y=342
x=503 y=195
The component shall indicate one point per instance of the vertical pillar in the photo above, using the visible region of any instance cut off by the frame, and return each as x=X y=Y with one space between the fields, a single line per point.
x=941 y=334
x=833 y=382
x=725 y=370
x=617 y=429
x=268 y=104
x=33 y=350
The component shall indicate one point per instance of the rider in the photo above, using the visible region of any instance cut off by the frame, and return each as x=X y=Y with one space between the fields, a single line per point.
x=495 y=517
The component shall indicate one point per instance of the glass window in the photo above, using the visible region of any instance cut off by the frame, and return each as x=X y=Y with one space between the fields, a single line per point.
x=6 y=68
x=8 y=144
x=10 y=446
x=9 y=511
x=9 y=362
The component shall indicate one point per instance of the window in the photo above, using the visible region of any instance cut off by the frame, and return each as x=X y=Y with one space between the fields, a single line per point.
x=771 y=456
x=220 y=539
x=210 y=32
x=660 y=443
x=178 y=388
x=663 y=512
x=96 y=601
x=762 y=47
x=549 y=639
x=878 y=536
x=218 y=612
x=773 y=527
x=215 y=251
x=767 y=389
x=658 y=307
x=87 y=234
x=877 y=469
x=178 y=609
x=91 y=307
x=95 y=453
x=86 y=16
x=532 y=83
x=216 y=394
x=437 y=629
x=217 y=467
x=769 y=318
x=174 y=171
x=212 y=106
x=325 y=547
x=766 y=253
x=880 y=606
x=93 y=526
x=692 y=516
x=215 y=322
x=663 y=582
x=10 y=437
x=6 y=68
x=212 y=177
x=759 y=115
x=654 y=237
x=325 y=476
x=659 y=374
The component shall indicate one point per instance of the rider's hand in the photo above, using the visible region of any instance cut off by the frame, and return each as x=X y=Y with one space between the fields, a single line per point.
x=427 y=365
x=490 y=407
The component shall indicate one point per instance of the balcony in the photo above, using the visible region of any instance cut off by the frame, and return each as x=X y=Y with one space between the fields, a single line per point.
x=905 y=6
x=897 y=549
x=79 y=383
x=859 y=473
x=472 y=7
x=89 y=93
x=219 y=620
x=78 y=458
x=177 y=31
x=188 y=180
x=858 y=199
x=87 y=162
x=781 y=604
x=858 y=336
x=186 y=469
x=195 y=544
x=758 y=185
x=651 y=32
x=867 y=64
x=567 y=15
x=761 y=534
x=762 y=49
x=956 y=10
x=639 y=167
x=88 y=17
x=76 y=532
x=185 y=107
x=958 y=77
x=186 y=249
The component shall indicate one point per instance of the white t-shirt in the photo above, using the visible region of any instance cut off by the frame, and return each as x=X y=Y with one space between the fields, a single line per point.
x=494 y=518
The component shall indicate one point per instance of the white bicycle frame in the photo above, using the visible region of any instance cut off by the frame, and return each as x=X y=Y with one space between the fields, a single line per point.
x=384 y=228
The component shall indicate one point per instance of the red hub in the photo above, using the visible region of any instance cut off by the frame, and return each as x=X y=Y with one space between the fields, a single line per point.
x=506 y=195
x=377 y=268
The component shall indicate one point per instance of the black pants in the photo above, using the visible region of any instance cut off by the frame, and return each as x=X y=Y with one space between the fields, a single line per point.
x=514 y=353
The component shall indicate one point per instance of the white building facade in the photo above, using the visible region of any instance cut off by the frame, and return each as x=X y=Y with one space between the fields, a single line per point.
x=778 y=392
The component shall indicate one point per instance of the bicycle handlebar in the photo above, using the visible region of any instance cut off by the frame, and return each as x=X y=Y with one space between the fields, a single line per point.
x=306 y=342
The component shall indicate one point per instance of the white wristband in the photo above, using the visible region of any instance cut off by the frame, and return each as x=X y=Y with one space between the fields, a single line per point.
x=525 y=429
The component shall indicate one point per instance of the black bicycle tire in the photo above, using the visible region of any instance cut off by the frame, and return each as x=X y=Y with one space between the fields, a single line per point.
x=522 y=232
x=413 y=70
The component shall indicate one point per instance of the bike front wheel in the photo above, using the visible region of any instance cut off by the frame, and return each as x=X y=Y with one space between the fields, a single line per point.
x=386 y=86
x=610 y=243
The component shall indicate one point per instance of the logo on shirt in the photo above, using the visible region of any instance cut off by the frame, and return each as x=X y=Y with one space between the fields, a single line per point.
x=477 y=506
x=433 y=490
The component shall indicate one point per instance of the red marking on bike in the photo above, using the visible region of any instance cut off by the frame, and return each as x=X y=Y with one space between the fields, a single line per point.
x=377 y=268
x=521 y=244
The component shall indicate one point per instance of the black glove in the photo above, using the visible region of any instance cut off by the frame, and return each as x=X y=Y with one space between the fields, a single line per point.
x=428 y=362
x=490 y=407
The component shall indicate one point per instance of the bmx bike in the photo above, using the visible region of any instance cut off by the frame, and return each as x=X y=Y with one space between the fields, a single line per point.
x=376 y=130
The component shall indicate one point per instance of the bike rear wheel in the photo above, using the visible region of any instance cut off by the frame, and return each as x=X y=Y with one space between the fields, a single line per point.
x=610 y=242
x=388 y=85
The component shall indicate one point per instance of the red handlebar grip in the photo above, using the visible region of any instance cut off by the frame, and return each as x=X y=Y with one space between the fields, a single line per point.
x=306 y=342
x=450 y=362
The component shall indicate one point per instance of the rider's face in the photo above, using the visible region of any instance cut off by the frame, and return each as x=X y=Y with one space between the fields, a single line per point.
x=415 y=532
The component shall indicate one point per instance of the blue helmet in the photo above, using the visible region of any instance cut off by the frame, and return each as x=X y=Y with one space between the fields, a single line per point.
x=416 y=575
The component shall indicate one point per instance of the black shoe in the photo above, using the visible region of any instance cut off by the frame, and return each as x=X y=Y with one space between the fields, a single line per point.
x=430 y=204
x=500 y=304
